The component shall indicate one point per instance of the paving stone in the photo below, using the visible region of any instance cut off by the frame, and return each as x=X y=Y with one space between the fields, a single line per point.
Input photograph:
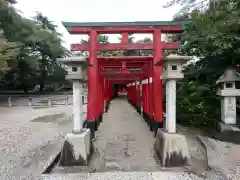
x=121 y=176
x=125 y=137
x=113 y=165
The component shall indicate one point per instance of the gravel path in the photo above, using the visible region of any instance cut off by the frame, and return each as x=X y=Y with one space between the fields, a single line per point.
x=29 y=138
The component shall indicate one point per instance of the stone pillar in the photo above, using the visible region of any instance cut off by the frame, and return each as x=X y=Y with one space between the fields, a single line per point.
x=77 y=107
x=171 y=106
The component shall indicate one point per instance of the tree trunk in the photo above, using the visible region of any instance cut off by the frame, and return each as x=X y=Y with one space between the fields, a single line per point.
x=43 y=74
x=25 y=89
x=42 y=85
x=42 y=80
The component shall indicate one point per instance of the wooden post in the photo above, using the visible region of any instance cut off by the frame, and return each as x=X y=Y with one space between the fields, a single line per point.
x=102 y=95
x=151 y=100
x=147 y=98
x=49 y=101
x=10 y=101
x=83 y=100
x=29 y=101
x=66 y=102
x=144 y=98
x=124 y=38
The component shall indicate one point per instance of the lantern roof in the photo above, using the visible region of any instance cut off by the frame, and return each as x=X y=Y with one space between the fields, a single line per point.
x=174 y=58
x=229 y=75
x=75 y=60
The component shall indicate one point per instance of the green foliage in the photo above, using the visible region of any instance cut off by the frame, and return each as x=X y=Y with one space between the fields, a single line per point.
x=8 y=52
x=213 y=37
x=190 y=5
x=197 y=104
x=28 y=48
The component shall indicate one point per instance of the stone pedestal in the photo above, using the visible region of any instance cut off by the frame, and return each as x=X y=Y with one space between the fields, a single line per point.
x=77 y=149
x=171 y=149
x=222 y=127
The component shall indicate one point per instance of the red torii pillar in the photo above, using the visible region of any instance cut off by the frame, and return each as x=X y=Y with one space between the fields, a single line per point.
x=138 y=96
x=157 y=83
x=144 y=99
x=101 y=97
x=93 y=116
x=107 y=93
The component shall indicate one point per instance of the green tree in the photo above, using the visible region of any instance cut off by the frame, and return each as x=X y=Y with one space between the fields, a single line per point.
x=8 y=52
x=49 y=48
x=213 y=37
x=29 y=46
x=188 y=6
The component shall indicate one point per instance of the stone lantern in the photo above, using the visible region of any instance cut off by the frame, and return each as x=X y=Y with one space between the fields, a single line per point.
x=172 y=66
x=172 y=71
x=170 y=146
x=76 y=67
x=228 y=91
x=78 y=144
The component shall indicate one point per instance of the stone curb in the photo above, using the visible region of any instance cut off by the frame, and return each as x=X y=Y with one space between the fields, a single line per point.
x=203 y=142
x=50 y=163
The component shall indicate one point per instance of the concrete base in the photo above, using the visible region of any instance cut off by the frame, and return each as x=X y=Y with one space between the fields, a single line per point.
x=227 y=127
x=171 y=149
x=77 y=149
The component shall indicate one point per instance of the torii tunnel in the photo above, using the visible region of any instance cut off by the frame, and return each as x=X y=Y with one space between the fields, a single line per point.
x=137 y=73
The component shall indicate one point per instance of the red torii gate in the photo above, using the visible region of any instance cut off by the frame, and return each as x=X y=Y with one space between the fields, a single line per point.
x=103 y=75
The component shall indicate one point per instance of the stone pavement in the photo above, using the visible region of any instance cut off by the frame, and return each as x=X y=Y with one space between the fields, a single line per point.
x=124 y=141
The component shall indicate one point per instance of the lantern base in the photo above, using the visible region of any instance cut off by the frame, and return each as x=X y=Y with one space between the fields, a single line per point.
x=222 y=127
x=171 y=149
x=77 y=149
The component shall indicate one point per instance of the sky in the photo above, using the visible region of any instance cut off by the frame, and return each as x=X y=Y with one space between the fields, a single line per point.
x=96 y=11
